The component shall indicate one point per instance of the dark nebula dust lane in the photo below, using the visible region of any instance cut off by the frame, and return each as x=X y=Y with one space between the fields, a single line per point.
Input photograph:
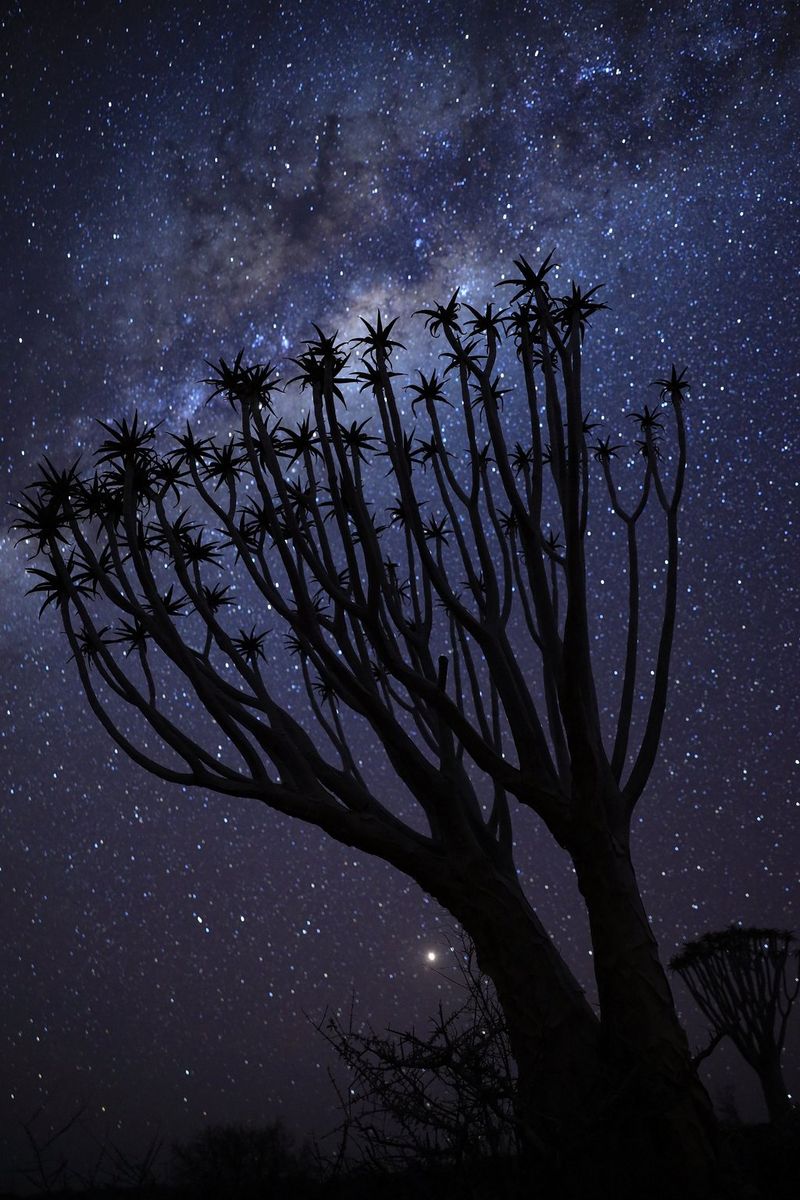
x=180 y=184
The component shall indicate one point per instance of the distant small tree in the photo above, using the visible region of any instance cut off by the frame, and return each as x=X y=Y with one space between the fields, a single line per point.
x=745 y=982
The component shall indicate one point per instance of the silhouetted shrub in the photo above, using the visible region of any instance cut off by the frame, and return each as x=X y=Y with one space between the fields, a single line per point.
x=436 y=1106
x=233 y=1162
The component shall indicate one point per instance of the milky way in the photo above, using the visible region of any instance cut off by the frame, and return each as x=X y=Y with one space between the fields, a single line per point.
x=181 y=184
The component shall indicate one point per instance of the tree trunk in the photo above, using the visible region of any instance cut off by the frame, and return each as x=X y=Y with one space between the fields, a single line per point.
x=774 y=1087
x=553 y=1031
x=660 y=1103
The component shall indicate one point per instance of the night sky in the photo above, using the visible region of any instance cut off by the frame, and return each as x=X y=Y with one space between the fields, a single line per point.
x=183 y=180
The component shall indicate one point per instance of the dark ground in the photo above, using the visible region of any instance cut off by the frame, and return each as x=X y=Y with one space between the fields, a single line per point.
x=760 y=1163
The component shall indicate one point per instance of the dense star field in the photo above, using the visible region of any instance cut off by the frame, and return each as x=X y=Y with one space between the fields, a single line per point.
x=182 y=181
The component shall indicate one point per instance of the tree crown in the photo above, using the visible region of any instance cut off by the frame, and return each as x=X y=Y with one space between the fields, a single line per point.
x=452 y=621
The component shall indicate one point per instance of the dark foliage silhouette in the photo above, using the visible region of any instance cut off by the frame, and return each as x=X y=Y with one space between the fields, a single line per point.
x=244 y=1164
x=442 y=1098
x=745 y=981
x=453 y=625
x=95 y=1166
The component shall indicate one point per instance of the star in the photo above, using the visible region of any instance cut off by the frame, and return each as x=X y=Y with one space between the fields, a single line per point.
x=180 y=187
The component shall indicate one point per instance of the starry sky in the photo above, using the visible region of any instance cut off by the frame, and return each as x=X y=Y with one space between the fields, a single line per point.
x=181 y=181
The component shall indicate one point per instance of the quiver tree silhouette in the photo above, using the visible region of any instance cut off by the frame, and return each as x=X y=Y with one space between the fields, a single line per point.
x=745 y=981
x=451 y=627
